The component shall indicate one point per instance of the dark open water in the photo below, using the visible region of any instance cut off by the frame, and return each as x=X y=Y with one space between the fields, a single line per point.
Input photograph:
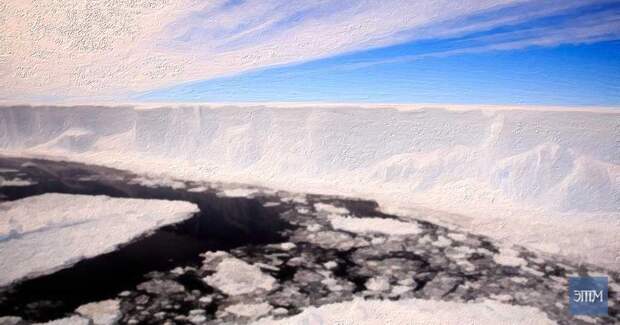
x=222 y=224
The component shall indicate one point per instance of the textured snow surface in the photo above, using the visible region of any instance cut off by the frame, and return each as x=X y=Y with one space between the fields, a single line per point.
x=540 y=176
x=41 y=234
x=415 y=311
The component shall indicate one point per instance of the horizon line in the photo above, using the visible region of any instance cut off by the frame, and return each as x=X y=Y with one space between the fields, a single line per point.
x=316 y=104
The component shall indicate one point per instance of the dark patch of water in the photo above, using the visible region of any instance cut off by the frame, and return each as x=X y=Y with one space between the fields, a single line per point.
x=222 y=224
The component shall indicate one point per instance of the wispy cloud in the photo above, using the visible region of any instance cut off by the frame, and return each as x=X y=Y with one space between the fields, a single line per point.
x=115 y=47
x=587 y=24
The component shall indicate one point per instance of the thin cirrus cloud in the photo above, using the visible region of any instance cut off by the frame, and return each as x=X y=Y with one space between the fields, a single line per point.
x=592 y=23
x=114 y=48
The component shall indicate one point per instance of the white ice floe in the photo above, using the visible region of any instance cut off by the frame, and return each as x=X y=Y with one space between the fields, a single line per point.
x=287 y=246
x=105 y=312
x=378 y=283
x=540 y=177
x=238 y=192
x=330 y=265
x=15 y=182
x=442 y=241
x=399 y=290
x=332 y=284
x=333 y=239
x=72 y=320
x=198 y=189
x=236 y=277
x=45 y=233
x=211 y=260
x=370 y=225
x=415 y=311
x=158 y=182
x=509 y=257
x=251 y=311
x=11 y=320
x=197 y=319
x=323 y=207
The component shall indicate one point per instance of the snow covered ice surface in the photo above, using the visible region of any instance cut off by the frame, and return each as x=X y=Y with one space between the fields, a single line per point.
x=415 y=311
x=540 y=177
x=321 y=262
x=42 y=234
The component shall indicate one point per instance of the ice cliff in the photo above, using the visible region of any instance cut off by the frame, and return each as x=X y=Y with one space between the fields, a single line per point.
x=563 y=160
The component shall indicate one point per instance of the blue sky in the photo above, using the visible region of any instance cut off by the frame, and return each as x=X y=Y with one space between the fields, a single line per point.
x=562 y=75
x=555 y=52
x=487 y=66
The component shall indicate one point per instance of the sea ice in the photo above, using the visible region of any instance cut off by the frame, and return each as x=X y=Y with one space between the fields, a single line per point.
x=158 y=182
x=378 y=284
x=198 y=189
x=251 y=311
x=287 y=246
x=42 y=234
x=509 y=257
x=72 y=320
x=105 y=312
x=323 y=207
x=236 y=277
x=415 y=311
x=238 y=192
x=369 y=225
x=15 y=182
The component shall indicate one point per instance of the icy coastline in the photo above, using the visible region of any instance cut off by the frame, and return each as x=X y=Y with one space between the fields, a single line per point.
x=561 y=160
x=552 y=168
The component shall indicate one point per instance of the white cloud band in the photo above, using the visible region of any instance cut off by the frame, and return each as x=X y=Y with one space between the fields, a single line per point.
x=115 y=47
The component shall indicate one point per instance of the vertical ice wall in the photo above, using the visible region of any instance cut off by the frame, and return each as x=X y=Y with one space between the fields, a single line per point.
x=564 y=160
x=73 y=128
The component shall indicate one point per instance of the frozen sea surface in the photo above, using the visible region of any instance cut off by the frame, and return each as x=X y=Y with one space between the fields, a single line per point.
x=294 y=252
x=44 y=233
x=415 y=311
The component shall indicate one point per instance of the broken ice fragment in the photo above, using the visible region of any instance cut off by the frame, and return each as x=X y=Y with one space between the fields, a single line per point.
x=378 y=284
x=236 y=277
x=105 y=312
